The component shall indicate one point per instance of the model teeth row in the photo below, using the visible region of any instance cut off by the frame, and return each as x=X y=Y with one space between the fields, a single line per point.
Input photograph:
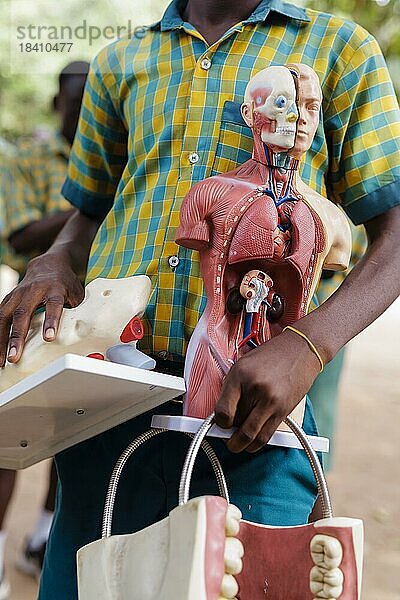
x=326 y=579
x=233 y=554
x=285 y=130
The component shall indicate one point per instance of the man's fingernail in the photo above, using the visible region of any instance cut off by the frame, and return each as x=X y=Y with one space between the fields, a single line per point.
x=50 y=332
x=12 y=352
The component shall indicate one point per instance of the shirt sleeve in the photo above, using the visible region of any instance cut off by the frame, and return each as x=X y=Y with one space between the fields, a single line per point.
x=362 y=127
x=99 y=152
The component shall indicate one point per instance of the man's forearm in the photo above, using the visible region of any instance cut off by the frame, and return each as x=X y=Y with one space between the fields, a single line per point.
x=39 y=235
x=266 y=384
x=74 y=241
x=365 y=294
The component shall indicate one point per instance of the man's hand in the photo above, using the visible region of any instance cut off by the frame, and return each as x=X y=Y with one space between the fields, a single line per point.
x=50 y=282
x=263 y=388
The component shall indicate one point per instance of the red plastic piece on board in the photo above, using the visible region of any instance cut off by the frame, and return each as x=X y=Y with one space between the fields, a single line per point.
x=96 y=355
x=133 y=331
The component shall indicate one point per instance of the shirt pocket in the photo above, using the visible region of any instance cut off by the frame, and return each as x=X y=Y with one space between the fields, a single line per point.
x=235 y=141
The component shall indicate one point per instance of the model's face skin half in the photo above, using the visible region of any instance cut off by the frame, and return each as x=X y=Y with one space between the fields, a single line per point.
x=309 y=100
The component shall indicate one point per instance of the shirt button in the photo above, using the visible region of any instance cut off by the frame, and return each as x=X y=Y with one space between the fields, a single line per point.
x=173 y=261
x=205 y=64
x=194 y=158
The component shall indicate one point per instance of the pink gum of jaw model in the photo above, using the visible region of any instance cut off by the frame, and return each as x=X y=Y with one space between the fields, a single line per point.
x=308 y=562
x=260 y=217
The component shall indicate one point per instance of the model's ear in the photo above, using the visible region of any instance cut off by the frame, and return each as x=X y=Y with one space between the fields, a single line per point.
x=247 y=113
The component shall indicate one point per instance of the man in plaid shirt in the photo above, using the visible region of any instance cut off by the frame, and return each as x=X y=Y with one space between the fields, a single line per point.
x=160 y=114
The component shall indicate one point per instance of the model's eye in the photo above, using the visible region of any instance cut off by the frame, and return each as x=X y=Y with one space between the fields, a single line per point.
x=280 y=101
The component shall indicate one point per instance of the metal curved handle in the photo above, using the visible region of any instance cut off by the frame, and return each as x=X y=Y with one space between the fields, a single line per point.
x=127 y=453
x=322 y=485
x=323 y=492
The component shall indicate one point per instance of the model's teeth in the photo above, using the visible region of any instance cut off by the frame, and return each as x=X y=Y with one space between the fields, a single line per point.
x=233 y=556
x=326 y=551
x=232 y=525
x=229 y=587
x=328 y=584
x=285 y=130
x=326 y=579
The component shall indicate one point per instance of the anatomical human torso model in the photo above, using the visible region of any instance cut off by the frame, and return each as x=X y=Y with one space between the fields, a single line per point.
x=262 y=233
x=94 y=328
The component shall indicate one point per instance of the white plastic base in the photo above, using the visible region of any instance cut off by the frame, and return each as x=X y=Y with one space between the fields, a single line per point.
x=71 y=400
x=192 y=425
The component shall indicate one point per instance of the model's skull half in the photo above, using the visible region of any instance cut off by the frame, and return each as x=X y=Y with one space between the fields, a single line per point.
x=272 y=95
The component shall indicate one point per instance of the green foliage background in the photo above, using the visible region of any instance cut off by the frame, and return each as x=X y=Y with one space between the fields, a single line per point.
x=28 y=82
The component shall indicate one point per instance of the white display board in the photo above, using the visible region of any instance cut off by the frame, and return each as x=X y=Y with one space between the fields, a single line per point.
x=71 y=400
x=192 y=425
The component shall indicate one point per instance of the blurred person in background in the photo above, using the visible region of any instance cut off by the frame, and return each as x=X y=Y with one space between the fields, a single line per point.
x=7 y=151
x=35 y=210
x=34 y=213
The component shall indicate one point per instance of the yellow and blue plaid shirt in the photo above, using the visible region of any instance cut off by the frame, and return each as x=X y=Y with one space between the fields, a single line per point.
x=32 y=184
x=163 y=112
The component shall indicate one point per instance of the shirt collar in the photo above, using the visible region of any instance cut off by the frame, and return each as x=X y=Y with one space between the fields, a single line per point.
x=172 y=17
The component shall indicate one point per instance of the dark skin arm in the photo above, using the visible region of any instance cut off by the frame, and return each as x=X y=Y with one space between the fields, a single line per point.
x=267 y=383
x=53 y=280
x=39 y=235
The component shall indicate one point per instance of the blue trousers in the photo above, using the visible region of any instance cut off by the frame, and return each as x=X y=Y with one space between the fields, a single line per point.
x=275 y=486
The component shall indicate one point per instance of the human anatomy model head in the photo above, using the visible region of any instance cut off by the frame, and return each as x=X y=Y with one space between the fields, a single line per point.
x=281 y=105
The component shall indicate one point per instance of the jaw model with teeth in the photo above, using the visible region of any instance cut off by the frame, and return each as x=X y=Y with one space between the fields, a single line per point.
x=204 y=551
x=259 y=218
x=322 y=560
x=194 y=554
x=91 y=328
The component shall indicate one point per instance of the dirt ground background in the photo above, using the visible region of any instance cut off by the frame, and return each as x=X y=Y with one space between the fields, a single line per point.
x=365 y=481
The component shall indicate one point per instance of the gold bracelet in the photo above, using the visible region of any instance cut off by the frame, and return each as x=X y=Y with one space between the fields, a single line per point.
x=309 y=342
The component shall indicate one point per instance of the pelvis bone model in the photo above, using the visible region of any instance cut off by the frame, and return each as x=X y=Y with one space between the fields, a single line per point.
x=94 y=328
x=263 y=235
